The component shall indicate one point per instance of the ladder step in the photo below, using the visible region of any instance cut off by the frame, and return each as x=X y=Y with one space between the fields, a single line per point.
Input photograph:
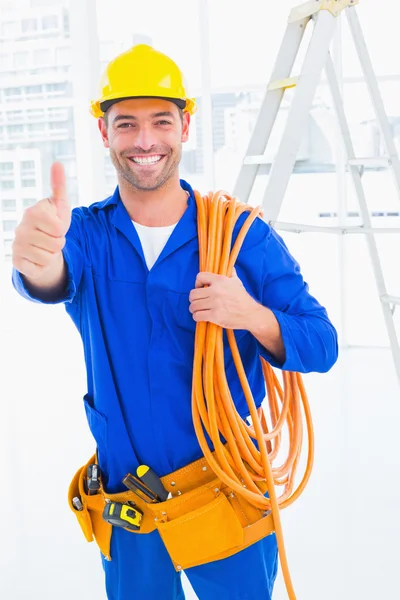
x=390 y=299
x=336 y=229
x=379 y=161
x=370 y=161
x=259 y=159
x=299 y=13
x=310 y=8
x=283 y=84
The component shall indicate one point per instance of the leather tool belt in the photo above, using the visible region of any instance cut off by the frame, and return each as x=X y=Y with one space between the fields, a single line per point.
x=203 y=521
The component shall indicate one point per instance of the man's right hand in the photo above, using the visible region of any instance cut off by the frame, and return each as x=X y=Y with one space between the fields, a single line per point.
x=40 y=237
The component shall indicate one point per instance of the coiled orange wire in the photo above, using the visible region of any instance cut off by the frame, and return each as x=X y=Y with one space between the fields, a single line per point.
x=237 y=462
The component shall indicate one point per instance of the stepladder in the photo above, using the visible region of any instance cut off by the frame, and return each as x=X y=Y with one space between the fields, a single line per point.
x=323 y=16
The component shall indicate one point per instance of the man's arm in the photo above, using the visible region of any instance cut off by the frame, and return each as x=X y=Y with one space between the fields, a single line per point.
x=308 y=335
x=43 y=264
x=52 y=281
x=263 y=324
x=292 y=328
x=226 y=302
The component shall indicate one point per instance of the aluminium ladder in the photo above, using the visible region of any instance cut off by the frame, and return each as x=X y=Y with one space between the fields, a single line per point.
x=324 y=15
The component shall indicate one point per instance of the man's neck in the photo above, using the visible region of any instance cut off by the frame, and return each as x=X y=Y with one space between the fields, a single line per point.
x=157 y=208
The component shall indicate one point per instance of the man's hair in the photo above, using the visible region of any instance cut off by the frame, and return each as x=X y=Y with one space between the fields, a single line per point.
x=105 y=117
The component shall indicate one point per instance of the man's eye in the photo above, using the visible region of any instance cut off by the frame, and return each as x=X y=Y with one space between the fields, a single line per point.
x=125 y=125
x=163 y=122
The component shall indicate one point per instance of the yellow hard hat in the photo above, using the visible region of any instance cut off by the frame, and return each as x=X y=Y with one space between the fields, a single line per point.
x=142 y=72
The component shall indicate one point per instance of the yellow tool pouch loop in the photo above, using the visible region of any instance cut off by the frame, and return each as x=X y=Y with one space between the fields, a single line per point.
x=203 y=521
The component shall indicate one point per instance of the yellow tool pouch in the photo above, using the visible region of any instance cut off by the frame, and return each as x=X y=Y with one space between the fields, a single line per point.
x=90 y=517
x=203 y=521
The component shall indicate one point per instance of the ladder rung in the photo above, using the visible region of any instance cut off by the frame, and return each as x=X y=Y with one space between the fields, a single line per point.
x=336 y=229
x=380 y=161
x=300 y=228
x=259 y=159
x=390 y=299
x=369 y=161
x=283 y=84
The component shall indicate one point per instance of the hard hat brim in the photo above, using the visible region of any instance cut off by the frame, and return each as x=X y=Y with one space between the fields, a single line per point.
x=104 y=106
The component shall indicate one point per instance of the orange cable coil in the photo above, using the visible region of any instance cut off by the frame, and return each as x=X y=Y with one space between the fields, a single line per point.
x=238 y=462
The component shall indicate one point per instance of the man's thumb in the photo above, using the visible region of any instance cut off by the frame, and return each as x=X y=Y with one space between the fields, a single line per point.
x=59 y=191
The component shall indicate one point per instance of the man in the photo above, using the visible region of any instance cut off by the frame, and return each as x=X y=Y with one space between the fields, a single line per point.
x=127 y=270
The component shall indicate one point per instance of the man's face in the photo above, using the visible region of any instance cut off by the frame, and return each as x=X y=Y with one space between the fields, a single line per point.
x=145 y=137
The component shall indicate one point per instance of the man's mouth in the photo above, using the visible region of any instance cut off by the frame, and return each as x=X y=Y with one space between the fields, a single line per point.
x=146 y=160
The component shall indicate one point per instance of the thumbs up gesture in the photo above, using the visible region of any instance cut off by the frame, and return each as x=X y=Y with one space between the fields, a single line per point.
x=40 y=237
x=59 y=197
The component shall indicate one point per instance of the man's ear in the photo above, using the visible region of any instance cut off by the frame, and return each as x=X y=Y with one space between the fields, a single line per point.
x=103 y=130
x=185 y=127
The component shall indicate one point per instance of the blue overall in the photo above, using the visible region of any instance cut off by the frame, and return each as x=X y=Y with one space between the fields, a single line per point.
x=138 y=338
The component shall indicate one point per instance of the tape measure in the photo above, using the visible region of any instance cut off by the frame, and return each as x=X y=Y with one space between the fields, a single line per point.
x=122 y=515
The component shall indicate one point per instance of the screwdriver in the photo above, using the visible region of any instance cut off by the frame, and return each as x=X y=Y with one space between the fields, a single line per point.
x=92 y=483
x=134 y=485
x=152 y=481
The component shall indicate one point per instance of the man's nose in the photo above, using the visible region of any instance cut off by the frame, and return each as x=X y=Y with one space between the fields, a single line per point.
x=145 y=138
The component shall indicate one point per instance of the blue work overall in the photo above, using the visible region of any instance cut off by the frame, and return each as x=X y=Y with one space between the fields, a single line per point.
x=138 y=338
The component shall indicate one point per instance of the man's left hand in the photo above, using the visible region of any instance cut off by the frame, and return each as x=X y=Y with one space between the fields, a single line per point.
x=224 y=301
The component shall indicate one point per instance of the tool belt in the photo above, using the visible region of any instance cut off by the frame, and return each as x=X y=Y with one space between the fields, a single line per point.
x=203 y=521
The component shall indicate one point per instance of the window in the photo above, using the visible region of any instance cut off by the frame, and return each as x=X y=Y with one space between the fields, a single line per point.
x=7 y=185
x=57 y=112
x=34 y=89
x=50 y=22
x=14 y=130
x=9 y=205
x=58 y=125
x=56 y=87
x=9 y=225
x=21 y=59
x=66 y=22
x=29 y=25
x=36 y=127
x=26 y=202
x=6 y=168
x=28 y=165
x=42 y=57
x=14 y=115
x=63 y=148
x=14 y=91
x=35 y=113
x=28 y=183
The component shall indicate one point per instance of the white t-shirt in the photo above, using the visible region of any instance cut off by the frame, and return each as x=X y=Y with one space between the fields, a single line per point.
x=153 y=240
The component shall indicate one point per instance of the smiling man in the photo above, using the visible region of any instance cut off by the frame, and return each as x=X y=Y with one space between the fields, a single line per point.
x=127 y=269
x=145 y=137
x=131 y=116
